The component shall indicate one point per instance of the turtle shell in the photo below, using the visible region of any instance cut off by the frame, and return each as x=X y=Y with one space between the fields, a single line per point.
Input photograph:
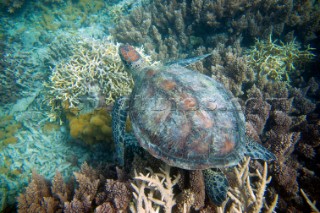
x=186 y=119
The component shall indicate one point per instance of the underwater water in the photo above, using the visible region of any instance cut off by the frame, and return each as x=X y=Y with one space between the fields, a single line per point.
x=61 y=74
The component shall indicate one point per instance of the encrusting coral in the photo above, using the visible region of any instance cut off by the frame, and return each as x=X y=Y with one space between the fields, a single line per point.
x=91 y=127
x=8 y=128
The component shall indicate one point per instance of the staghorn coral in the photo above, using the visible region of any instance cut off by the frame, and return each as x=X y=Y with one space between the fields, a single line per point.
x=94 y=76
x=277 y=62
x=311 y=204
x=154 y=191
x=93 y=193
x=247 y=194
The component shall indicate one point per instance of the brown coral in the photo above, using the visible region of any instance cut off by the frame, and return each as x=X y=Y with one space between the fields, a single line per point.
x=167 y=28
x=90 y=195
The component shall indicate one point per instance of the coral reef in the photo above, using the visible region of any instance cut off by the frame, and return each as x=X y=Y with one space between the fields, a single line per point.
x=154 y=191
x=92 y=77
x=275 y=61
x=12 y=5
x=91 y=127
x=40 y=146
x=284 y=116
x=94 y=192
x=169 y=29
x=8 y=128
x=20 y=72
x=280 y=114
x=247 y=195
x=102 y=190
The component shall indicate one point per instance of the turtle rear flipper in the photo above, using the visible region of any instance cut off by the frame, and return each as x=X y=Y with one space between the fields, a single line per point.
x=216 y=185
x=257 y=151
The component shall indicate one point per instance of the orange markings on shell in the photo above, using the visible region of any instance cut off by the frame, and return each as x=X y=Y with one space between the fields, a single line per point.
x=129 y=54
x=188 y=102
x=199 y=147
x=168 y=85
x=228 y=146
x=203 y=118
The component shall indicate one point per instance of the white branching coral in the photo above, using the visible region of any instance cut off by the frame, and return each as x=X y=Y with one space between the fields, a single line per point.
x=310 y=203
x=94 y=70
x=154 y=191
x=94 y=75
x=247 y=195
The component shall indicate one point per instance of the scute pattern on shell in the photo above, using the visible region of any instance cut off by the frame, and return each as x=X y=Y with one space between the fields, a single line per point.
x=187 y=119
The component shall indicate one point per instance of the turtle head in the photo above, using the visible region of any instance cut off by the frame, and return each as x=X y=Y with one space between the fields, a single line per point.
x=130 y=57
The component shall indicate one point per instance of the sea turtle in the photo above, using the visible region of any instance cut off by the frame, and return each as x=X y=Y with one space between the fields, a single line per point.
x=186 y=119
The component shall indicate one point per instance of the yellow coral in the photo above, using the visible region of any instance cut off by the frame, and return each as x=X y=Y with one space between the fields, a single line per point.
x=10 y=140
x=12 y=129
x=8 y=128
x=48 y=127
x=91 y=127
x=2 y=134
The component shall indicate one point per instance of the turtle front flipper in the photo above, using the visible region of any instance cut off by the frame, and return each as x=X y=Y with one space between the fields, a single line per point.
x=119 y=117
x=257 y=151
x=216 y=185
